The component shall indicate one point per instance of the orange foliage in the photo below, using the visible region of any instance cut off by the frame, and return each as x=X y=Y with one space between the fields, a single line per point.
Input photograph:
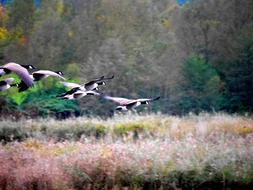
x=23 y=40
x=3 y=15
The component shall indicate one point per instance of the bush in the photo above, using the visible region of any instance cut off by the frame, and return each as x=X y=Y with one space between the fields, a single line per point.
x=12 y=132
x=40 y=102
x=75 y=132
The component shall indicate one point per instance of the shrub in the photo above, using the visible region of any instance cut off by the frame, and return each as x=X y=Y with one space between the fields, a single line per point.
x=12 y=132
x=72 y=132
x=135 y=129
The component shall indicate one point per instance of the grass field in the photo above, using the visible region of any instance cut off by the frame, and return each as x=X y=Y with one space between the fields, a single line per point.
x=128 y=152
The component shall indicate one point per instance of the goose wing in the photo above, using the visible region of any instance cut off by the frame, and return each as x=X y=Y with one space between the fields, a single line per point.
x=22 y=86
x=108 y=78
x=9 y=80
x=70 y=92
x=3 y=83
x=148 y=99
x=94 y=81
x=2 y=72
x=118 y=100
x=20 y=71
x=91 y=92
x=47 y=72
x=70 y=84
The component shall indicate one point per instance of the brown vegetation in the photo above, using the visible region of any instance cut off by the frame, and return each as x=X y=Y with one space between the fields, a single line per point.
x=130 y=152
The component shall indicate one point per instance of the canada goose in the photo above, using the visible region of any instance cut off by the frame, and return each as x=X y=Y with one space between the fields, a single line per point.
x=92 y=85
x=6 y=84
x=41 y=74
x=77 y=94
x=26 y=80
x=7 y=71
x=127 y=104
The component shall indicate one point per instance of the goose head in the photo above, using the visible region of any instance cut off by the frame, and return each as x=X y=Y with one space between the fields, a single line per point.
x=144 y=102
x=59 y=73
x=30 y=67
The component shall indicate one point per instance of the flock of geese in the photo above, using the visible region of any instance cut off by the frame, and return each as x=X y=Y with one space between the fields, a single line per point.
x=76 y=91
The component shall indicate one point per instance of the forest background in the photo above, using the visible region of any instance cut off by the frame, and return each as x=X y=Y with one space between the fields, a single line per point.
x=198 y=55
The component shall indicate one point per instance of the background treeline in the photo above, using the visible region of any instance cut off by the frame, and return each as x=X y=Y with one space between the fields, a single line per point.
x=197 y=57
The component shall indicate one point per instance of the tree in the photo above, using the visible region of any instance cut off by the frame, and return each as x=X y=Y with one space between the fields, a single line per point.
x=201 y=88
x=22 y=16
x=238 y=75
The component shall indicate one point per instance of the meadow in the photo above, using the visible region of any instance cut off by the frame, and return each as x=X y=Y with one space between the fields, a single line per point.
x=155 y=151
x=196 y=55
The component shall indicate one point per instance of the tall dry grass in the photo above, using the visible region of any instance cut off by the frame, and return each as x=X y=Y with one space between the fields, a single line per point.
x=129 y=152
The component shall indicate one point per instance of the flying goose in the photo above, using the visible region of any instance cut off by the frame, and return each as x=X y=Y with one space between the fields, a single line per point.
x=92 y=85
x=41 y=74
x=127 y=104
x=77 y=94
x=6 y=84
x=26 y=80
x=8 y=71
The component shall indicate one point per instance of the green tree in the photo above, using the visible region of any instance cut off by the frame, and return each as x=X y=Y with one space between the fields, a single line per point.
x=238 y=75
x=201 y=88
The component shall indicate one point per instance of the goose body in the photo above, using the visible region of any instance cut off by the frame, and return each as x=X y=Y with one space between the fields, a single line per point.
x=70 y=84
x=21 y=71
x=78 y=94
x=92 y=85
x=127 y=104
x=6 y=84
x=118 y=100
x=7 y=71
x=89 y=86
x=73 y=87
x=41 y=74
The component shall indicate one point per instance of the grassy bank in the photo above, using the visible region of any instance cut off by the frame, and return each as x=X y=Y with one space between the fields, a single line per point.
x=130 y=151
